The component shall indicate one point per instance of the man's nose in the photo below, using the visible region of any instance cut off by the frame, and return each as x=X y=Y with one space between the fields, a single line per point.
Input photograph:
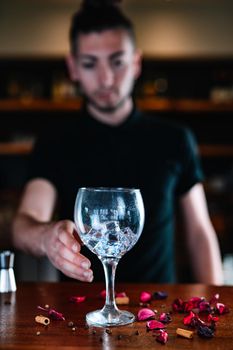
x=106 y=77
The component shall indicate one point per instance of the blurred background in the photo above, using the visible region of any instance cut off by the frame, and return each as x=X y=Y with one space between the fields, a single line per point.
x=187 y=77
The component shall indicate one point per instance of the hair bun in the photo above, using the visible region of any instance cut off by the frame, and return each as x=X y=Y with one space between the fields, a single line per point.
x=99 y=3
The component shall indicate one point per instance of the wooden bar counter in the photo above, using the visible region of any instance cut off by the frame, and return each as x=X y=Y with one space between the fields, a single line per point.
x=18 y=329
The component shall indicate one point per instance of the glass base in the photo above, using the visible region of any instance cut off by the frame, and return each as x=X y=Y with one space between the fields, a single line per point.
x=103 y=318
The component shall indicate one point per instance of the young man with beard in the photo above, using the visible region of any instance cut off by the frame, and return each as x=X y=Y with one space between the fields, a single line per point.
x=112 y=144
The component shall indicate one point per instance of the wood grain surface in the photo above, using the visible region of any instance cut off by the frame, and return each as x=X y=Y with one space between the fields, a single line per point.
x=18 y=329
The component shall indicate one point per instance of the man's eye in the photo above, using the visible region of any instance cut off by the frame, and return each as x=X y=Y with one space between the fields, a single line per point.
x=88 y=65
x=118 y=63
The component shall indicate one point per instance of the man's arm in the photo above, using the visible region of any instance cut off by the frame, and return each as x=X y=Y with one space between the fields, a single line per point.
x=33 y=231
x=201 y=237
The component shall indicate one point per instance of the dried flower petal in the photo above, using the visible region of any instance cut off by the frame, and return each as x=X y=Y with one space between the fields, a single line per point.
x=221 y=308
x=56 y=315
x=160 y=295
x=121 y=295
x=165 y=317
x=205 y=332
x=204 y=306
x=145 y=297
x=77 y=299
x=193 y=303
x=212 y=318
x=103 y=294
x=178 y=305
x=145 y=314
x=53 y=313
x=162 y=336
x=151 y=325
x=214 y=299
x=188 y=320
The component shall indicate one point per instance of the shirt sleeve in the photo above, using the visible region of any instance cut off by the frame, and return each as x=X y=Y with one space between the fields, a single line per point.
x=191 y=169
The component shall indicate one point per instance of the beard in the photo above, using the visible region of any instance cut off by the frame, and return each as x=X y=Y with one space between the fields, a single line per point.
x=105 y=109
x=111 y=108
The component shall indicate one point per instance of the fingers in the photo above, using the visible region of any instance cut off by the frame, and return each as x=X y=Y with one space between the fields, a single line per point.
x=66 y=256
x=74 y=271
x=69 y=241
x=73 y=265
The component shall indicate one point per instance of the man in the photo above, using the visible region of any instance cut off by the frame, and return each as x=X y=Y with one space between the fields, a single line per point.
x=111 y=144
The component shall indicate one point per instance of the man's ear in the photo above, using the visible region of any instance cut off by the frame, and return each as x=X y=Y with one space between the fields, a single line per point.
x=137 y=63
x=72 y=67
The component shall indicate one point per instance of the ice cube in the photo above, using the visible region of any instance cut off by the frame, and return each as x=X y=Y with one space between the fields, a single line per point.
x=112 y=225
x=130 y=235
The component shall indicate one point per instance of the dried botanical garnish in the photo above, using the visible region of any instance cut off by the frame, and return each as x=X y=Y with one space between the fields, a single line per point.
x=184 y=333
x=160 y=295
x=77 y=299
x=165 y=317
x=145 y=297
x=221 y=308
x=214 y=299
x=43 y=320
x=205 y=332
x=162 y=336
x=178 y=305
x=192 y=303
x=103 y=294
x=145 y=314
x=53 y=313
x=204 y=306
x=212 y=318
x=188 y=320
x=121 y=295
x=153 y=324
x=122 y=300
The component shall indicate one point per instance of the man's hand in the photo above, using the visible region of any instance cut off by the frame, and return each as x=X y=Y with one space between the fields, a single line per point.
x=63 y=250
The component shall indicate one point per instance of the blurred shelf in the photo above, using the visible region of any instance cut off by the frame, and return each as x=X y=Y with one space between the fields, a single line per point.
x=183 y=105
x=146 y=103
x=41 y=105
x=16 y=148
x=216 y=150
x=25 y=148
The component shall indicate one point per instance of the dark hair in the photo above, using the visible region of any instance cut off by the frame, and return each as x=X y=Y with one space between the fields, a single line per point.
x=97 y=16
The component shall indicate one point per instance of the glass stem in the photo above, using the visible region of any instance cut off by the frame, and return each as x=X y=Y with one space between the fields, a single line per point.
x=110 y=265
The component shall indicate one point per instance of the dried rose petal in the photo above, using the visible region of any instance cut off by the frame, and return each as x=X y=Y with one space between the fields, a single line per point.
x=221 y=308
x=165 y=317
x=53 y=313
x=56 y=315
x=145 y=314
x=77 y=299
x=145 y=297
x=205 y=332
x=214 y=299
x=212 y=318
x=192 y=303
x=162 y=336
x=160 y=295
x=103 y=294
x=155 y=325
x=121 y=295
x=188 y=320
x=178 y=305
x=204 y=306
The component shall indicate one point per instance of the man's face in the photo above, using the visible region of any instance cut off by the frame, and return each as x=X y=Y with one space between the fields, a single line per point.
x=106 y=66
